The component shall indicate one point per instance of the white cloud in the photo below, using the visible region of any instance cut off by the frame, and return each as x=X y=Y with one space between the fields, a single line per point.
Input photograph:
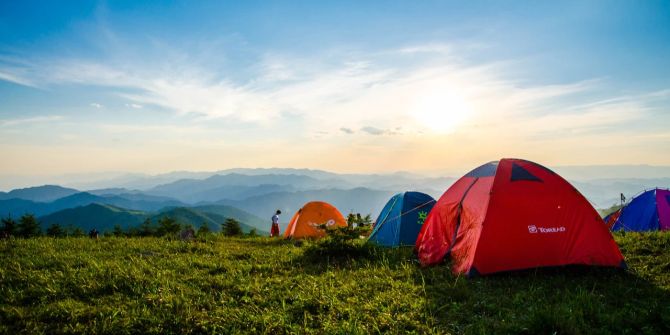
x=136 y=106
x=96 y=105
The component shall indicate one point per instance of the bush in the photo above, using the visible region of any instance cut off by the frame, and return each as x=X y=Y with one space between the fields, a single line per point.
x=28 y=226
x=341 y=243
x=8 y=226
x=55 y=230
x=253 y=233
x=168 y=226
x=203 y=229
x=231 y=227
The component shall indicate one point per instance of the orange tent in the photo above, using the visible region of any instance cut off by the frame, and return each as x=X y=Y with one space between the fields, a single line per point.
x=304 y=222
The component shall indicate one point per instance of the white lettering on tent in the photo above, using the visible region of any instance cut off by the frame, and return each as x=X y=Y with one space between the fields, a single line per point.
x=546 y=230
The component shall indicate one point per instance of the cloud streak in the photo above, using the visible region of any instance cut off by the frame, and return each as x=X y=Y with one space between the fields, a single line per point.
x=29 y=120
x=361 y=89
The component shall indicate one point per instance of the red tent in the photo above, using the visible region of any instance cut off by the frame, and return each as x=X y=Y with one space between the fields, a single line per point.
x=514 y=214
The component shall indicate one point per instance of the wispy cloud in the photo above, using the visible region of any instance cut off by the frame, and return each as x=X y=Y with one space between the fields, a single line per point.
x=372 y=130
x=14 y=78
x=96 y=105
x=388 y=89
x=30 y=120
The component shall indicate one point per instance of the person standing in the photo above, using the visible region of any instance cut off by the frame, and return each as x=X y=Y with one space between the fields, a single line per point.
x=274 y=231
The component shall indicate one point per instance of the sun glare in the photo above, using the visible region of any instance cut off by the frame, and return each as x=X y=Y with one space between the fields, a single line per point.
x=441 y=111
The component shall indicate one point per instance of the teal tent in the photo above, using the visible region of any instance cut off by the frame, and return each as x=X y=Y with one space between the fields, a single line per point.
x=401 y=219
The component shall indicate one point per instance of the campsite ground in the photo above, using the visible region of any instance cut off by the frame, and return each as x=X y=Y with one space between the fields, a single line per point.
x=224 y=285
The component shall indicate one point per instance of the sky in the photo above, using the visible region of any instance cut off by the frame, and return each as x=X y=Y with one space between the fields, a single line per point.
x=345 y=86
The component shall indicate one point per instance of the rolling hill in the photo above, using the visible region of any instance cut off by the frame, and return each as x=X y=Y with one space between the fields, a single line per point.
x=104 y=217
x=196 y=218
x=100 y=217
x=242 y=216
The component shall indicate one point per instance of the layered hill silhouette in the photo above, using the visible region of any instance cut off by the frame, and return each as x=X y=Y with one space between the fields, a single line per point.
x=104 y=217
x=357 y=200
x=137 y=201
x=251 y=195
x=46 y=193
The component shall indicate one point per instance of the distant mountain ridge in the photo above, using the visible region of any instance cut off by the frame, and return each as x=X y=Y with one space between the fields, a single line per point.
x=18 y=207
x=45 y=193
x=357 y=200
x=232 y=186
x=259 y=192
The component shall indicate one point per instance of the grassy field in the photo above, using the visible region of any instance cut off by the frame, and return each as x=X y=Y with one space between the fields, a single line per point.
x=258 y=285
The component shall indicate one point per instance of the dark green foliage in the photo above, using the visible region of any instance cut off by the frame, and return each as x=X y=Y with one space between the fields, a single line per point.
x=253 y=233
x=117 y=231
x=259 y=285
x=28 y=226
x=231 y=227
x=146 y=229
x=77 y=232
x=204 y=229
x=167 y=226
x=357 y=220
x=55 y=230
x=341 y=243
x=8 y=226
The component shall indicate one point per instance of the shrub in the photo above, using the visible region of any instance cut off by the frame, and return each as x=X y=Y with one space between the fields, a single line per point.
x=28 y=226
x=55 y=230
x=341 y=243
x=8 y=226
x=231 y=227
x=168 y=226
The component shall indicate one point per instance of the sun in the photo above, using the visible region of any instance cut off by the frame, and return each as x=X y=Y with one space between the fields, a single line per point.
x=440 y=111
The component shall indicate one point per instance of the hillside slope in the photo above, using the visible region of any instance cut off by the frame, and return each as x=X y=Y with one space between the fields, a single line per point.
x=196 y=217
x=104 y=217
x=98 y=216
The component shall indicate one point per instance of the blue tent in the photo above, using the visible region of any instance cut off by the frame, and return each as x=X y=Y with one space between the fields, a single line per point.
x=401 y=219
x=649 y=211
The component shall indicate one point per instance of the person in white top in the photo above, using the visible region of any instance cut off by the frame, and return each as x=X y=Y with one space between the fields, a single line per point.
x=274 y=231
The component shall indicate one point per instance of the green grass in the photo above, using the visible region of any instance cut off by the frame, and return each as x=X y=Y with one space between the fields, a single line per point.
x=228 y=285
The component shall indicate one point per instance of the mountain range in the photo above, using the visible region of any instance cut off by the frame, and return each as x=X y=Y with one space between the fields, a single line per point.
x=248 y=194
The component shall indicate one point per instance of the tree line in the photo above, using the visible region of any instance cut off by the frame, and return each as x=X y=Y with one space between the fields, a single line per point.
x=28 y=226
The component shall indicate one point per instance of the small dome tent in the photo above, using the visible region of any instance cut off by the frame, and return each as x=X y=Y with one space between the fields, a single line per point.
x=649 y=211
x=514 y=214
x=401 y=219
x=312 y=214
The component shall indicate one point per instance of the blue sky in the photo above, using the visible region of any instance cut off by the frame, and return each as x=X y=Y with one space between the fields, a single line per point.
x=157 y=86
